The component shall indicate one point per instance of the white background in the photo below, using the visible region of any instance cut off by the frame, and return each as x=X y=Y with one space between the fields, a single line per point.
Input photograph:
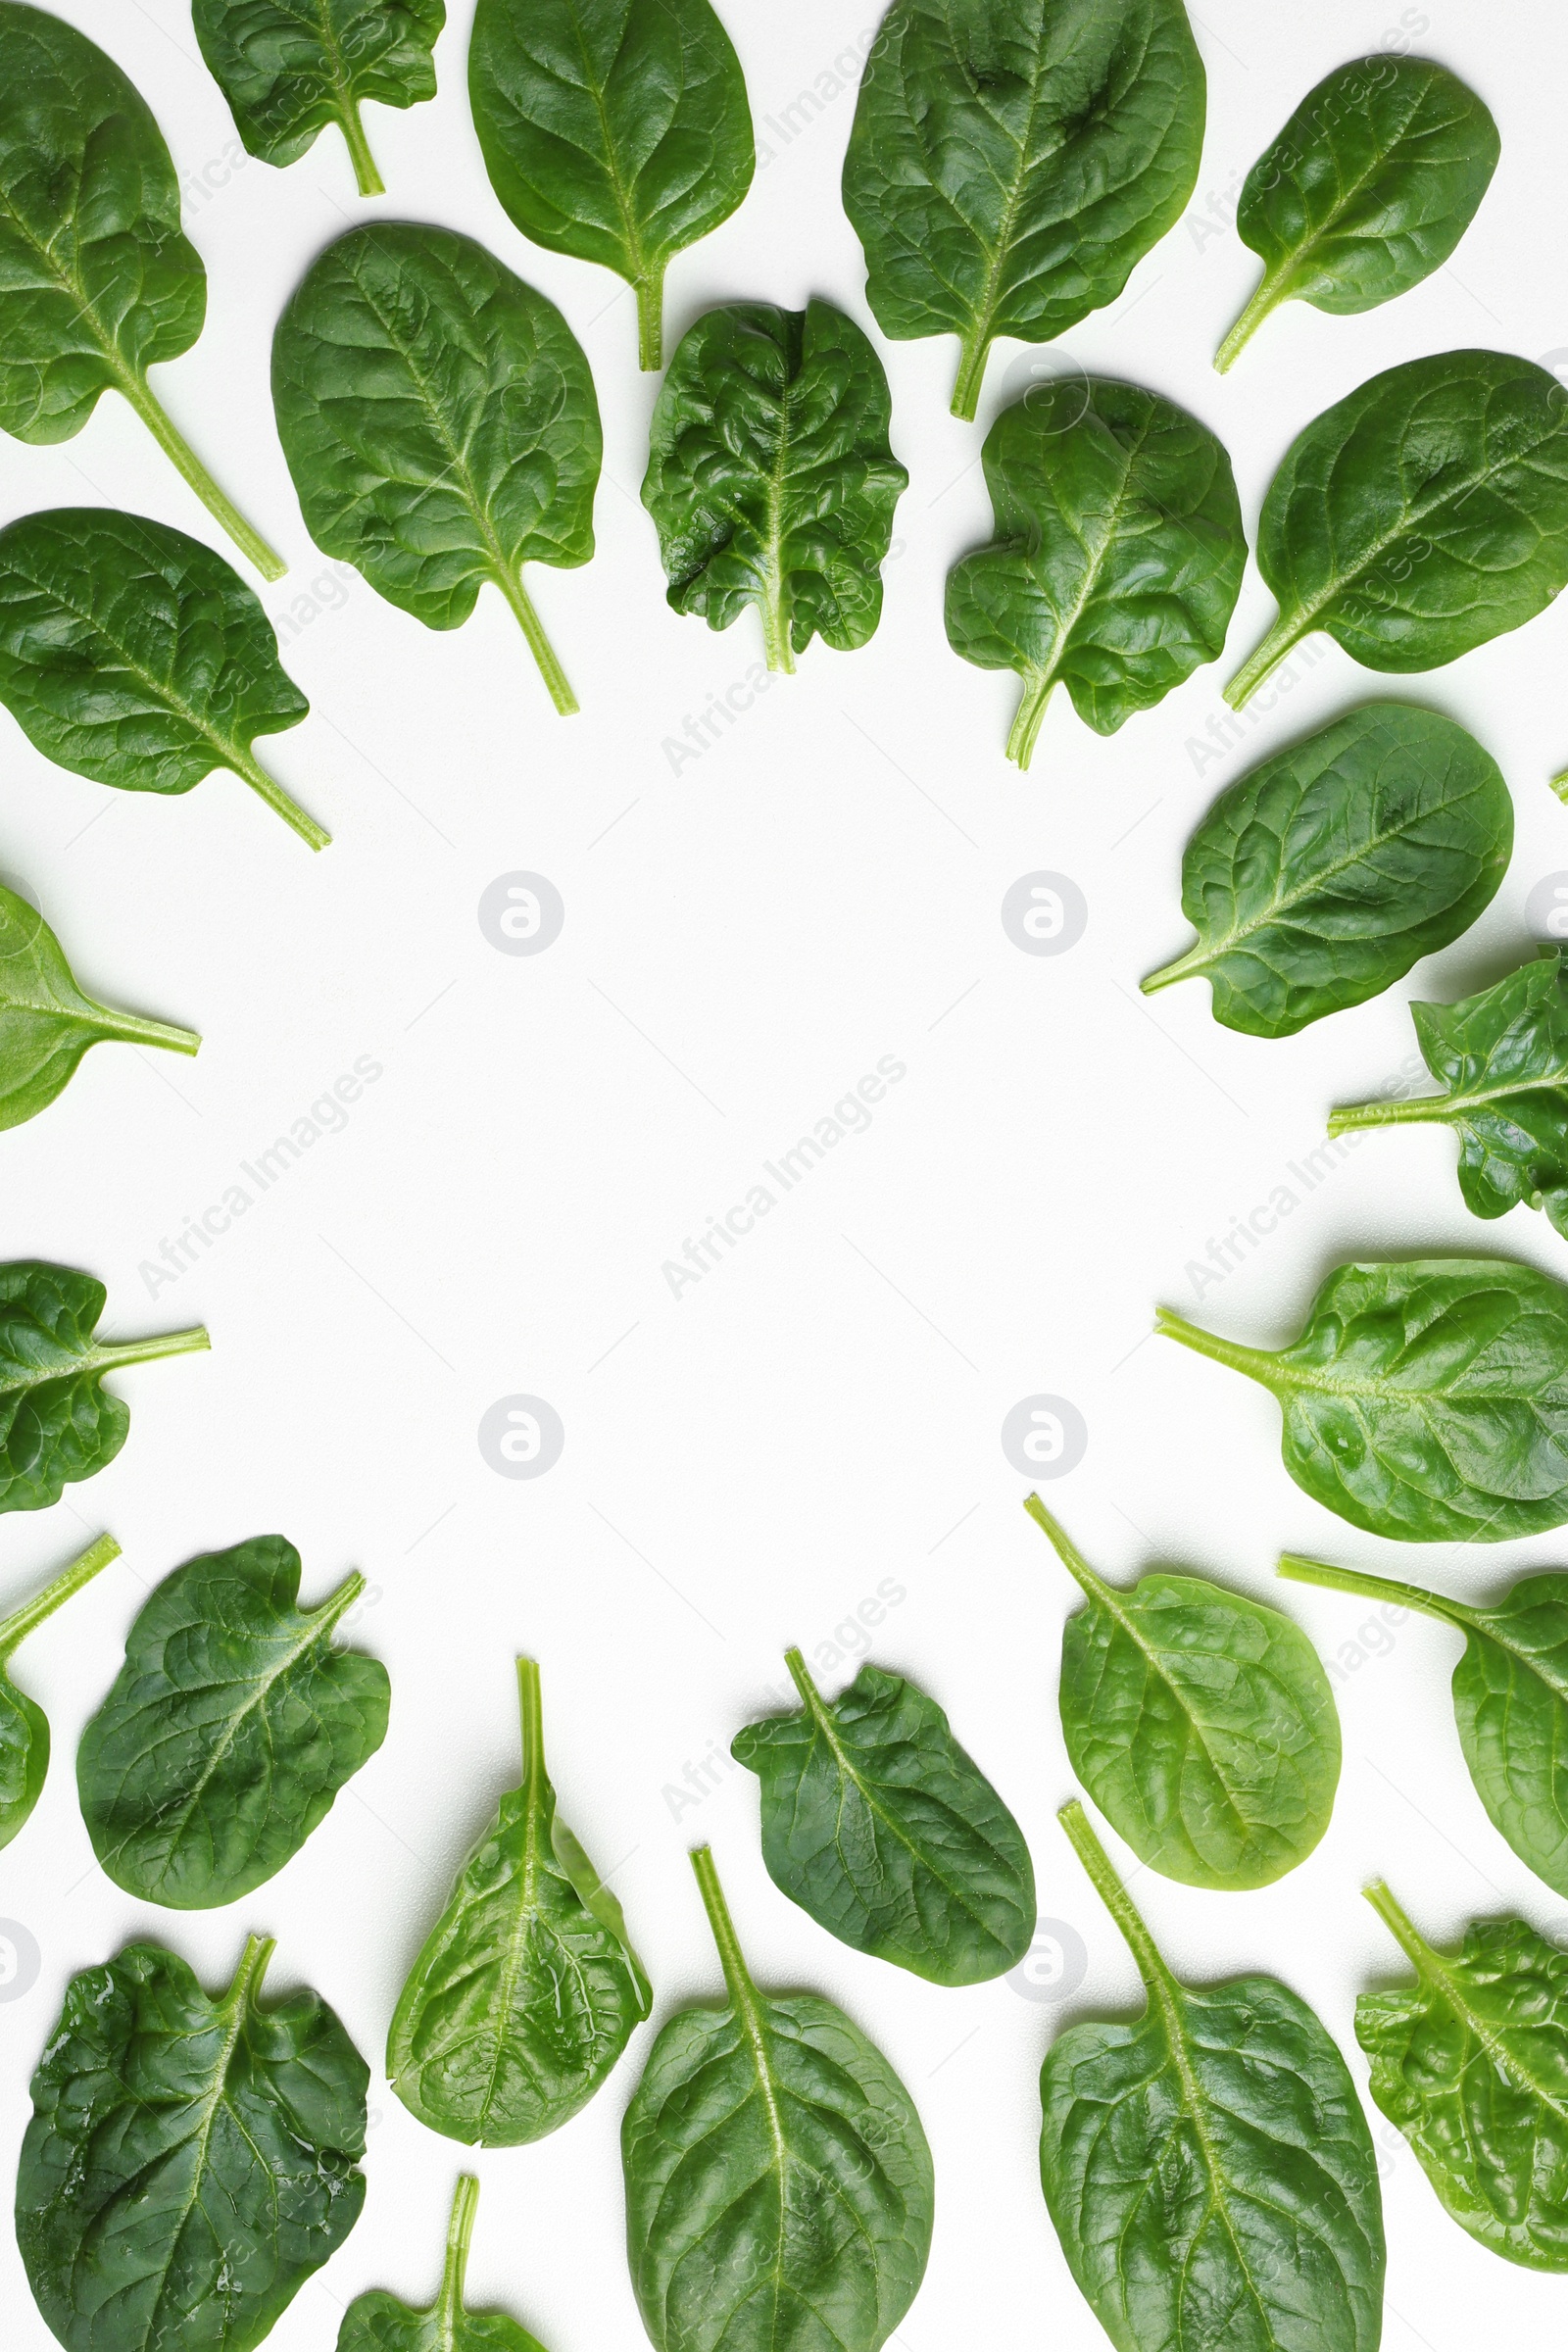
x=747 y=933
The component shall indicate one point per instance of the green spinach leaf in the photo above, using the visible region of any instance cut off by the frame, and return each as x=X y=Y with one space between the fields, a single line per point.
x=134 y=655
x=1426 y=1400
x=46 y=1023
x=1320 y=878
x=1503 y=1058
x=876 y=1822
x=57 y=1422
x=23 y=1725
x=779 y=2188
x=615 y=130
x=440 y=423
x=1118 y=553
x=1208 y=2169
x=1011 y=161
x=1471 y=2063
x=528 y=1989
x=228 y=1731
x=771 y=475
x=98 y=282
x=1419 y=517
x=189 y=2162
x=379 y=2322
x=290 y=67
x=1367 y=189
x=1201 y=1725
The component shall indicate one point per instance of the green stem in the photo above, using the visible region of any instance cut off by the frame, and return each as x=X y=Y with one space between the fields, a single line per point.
x=1256 y=1362
x=338 y=1604
x=371 y=183
x=246 y=764
x=530 y=1709
x=16 y=1628
x=1113 y=1895
x=174 y=444
x=459 y=2233
x=1273 y=649
x=971 y=369
x=776 y=631
x=1295 y=1570
x=259 y=1950
x=132 y=1030
x=1403 y=1931
x=800 y=1677
x=1026 y=726
x=737 y=1976
x=544 y=653
x=1269 y=291
x=1066 y=1551
x=111 y=1356
x=1418 y=1109
x=650 y=293
x=1186 y=967
x=1560 y=785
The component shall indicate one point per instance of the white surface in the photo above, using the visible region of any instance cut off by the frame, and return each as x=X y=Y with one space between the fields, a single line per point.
x=743 y=938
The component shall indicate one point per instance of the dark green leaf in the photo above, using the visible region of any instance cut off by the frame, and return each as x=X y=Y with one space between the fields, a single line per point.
x=1419 y=517
x=1321 y=877
x=1427 y=1399
x=876 y=1822
x=1503 y=1057
x=1472 y=2064
x=1367 y=189
x=1201 y=1725
x=615 y=130
x=771 y=475
x=1013 y=160
x=228 y=1731
x=440 y=423
x=23 y=1725
x=1208 y=2169
x=57 y=1422
x=1118 y=553
x=290 y=67
x=779 y=2190
x=98 y=281
x=46 y=1023
x=189 y=2162
x=134 y=655
x=528 y=1989
x=379 y=2322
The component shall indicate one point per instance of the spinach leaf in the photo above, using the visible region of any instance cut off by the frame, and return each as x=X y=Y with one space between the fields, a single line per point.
x=1201 y=1725
x=1420 y=517
x=526 y=1991
x=779 y=2188
x=771 y=475
x=189 y=2162
x=1426 y=1400
x=1208 y=2169
x=290 y=67
x=1503 y=1058
x=1320 y=878
x=1367 y=189
x=876 y=1822
x=615 y=130
x=23 y=1725
x=1471 y=2063
x=1011 y=160
x=1510 y=1700
x=228 y=1731
x=1117 y=559
x=134 y=655
x=57 y=1422
x=46 y=1023
x=98 y=282
x=440 y=423
x=378 y=2323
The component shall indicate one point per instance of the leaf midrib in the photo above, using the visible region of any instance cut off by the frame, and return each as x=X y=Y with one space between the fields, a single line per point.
x=629 y=225
x=1164 y=1989
x=1096 y=561
x=1438 y=1974
x=1348 y=194
x=215 y=2099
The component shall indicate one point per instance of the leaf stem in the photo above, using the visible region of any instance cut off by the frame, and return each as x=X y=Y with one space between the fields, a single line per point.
x=460 y=2234
x=111 y=1356
x=371 y=183
x=16 y=1628
x=132 y=1030
x=530 y=1709
x=1256 y=1362
x=1560 y=785
x=1295 y=1570
x=173 y=442
x=1392 y=1114
x=972 y=353
x=1268 y=292
x=544 y=653
x=650 y=293
x=1026 y=726
x=776 y=631
x=247 y=765
x=737 y=1976
x=1184 y=967
x=1066 y=1551
x=1113 y=1895
x=800 y=1676
x=1273 y=649
x=252 y=1960
x=1410 y=1938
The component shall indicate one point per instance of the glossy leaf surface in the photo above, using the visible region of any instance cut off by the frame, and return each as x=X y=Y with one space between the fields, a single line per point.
x=1367 y=189
x=23 y=1725
x=526 y=1991
x=46 y=1023
x=1426 y=1400
x=1320 y=878
x=779 y=2188
x=379 y=2321
x=771 y=475
x=876 y=1822
x=288 y=68
x=57 y=1421
x=1422 y=515
x=189 y=2162
x=1471 y=2063
x=1201 y=1725
x=228 y=1731
x=440 y=425
x=1013 y=160
x=1118 y=553
x=615 y=130
x=1208 y=2168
